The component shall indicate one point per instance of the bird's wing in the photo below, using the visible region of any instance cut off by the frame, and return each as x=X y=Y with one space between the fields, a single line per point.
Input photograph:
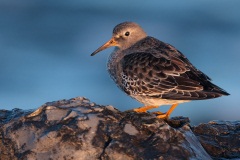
x=164 y=72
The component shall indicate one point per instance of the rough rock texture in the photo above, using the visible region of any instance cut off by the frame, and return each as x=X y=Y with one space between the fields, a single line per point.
x=78 y=129
x=220 y=138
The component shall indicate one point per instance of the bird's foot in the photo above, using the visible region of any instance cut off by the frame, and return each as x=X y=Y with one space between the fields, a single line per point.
x=161 y=115
x=144 y=109
x=139 y=110
x=158 y=113
x=167 y=114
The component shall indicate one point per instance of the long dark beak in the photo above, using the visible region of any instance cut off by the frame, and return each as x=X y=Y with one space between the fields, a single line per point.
x=108 y=44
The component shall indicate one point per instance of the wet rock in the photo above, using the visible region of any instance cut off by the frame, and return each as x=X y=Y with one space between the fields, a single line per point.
x=221 y=139
x=79 y=129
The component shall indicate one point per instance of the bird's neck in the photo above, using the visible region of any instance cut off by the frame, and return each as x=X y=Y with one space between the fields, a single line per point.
x=115 y=55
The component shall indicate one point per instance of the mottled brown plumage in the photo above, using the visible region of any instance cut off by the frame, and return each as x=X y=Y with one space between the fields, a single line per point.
x=153 y=72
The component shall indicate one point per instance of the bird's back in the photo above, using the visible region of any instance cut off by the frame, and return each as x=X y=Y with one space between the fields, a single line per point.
x=154 y=69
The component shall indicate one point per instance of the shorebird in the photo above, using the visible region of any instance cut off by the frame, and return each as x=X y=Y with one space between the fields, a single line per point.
x=153 y=72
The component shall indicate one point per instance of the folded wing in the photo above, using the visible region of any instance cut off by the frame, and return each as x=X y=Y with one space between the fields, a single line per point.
x=164 y=72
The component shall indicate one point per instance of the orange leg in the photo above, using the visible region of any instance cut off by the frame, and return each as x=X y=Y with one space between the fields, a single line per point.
x=167 y=115
x=144 y=109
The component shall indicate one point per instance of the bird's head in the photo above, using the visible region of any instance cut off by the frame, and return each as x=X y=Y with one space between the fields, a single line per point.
x=124 y=35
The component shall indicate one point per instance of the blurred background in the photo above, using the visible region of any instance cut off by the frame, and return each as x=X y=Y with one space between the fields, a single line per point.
x=45 y=49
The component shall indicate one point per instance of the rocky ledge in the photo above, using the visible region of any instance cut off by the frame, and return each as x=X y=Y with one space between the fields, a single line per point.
x=79 y=129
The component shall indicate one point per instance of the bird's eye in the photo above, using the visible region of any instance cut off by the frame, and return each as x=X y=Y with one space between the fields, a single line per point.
x=127 y=34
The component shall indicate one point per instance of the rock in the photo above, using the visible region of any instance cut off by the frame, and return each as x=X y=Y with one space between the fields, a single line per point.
x=79 y=129
x=221 y=139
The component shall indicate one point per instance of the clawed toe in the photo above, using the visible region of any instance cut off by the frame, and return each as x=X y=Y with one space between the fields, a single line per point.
x=158 y=113
x=139 y=110
x=163 y=116
x=144 y=109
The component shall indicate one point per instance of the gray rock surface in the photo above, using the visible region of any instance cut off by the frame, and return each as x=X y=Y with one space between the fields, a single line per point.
x=221 y=139
x=79 y=129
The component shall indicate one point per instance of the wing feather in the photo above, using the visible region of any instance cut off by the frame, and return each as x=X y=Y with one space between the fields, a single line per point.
x=163 y=71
